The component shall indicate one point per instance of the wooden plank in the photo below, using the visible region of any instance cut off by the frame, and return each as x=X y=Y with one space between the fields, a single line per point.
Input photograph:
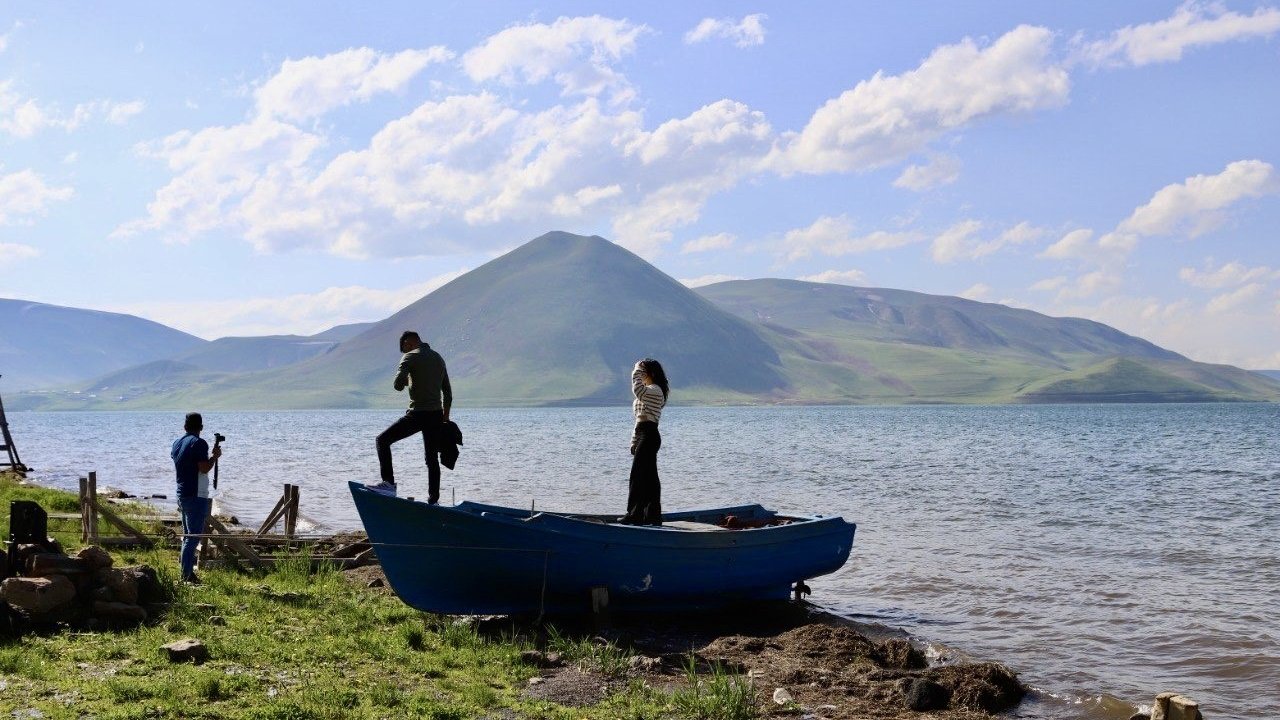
x=273 y=517
x=226 y=539
x=120 y=524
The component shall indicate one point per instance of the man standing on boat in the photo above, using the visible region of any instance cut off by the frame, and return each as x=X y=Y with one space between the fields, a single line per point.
x=422 y=370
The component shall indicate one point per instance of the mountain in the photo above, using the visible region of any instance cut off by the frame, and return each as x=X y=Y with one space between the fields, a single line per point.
x=47 y=345
x=339 y=333
x=1271 y=374
x=243 y=354
x=913 y=347
x=561 y=319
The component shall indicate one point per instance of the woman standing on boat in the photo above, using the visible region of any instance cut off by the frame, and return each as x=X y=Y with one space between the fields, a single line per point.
x=644 y=502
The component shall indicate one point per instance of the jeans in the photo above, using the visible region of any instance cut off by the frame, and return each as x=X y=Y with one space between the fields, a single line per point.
x=195 y=511
x=644 y=498
x=428 y=422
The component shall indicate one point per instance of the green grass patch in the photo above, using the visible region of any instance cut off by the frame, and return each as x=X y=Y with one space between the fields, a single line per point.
x=723 y=696
x=298 y=642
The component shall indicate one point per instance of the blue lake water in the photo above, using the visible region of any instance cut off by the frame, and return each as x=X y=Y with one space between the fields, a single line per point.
x=1106 y=552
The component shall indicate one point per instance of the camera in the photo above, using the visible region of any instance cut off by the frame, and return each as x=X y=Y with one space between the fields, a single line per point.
x=219 y=438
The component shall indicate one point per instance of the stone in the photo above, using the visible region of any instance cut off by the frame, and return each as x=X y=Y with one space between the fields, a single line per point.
x=103 y=594
x=118 y=612
x=922 y=694
x=187 y=650
x=54 y=546
x=1140 y=716
x=644 y=663
x=217 y=620
x=1182 y=707
x=537 y=658
x=377 y=583
x=96 y=557
x=782 y=697
x=537 y=680
x=46 y=564
x=366 y=557
x=38 y=595
x=1160 y=708
x=4 y=564
x=121 y=581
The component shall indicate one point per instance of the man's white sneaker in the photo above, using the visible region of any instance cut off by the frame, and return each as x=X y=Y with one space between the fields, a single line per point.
x=384 y=488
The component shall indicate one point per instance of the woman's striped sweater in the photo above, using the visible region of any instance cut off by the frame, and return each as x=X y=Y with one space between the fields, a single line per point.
x=649 y=398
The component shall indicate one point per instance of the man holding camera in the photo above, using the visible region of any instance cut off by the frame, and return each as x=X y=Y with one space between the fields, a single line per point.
x=192 y=461
x=422 y=370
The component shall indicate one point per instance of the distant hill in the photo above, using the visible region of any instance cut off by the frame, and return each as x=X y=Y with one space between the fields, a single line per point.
x=243 y=354
x=47 y=345
x=561 y=319
x=930 y=348
x=1272 y=374
x=342 y=332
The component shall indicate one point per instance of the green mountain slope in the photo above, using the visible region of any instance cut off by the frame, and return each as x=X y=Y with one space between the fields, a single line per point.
x=561 y=319
x=1123 y=380
x=243 y=354
x=47 y=345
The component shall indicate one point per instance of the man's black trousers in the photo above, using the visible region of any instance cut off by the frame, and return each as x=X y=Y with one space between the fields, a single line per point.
x=428 y=422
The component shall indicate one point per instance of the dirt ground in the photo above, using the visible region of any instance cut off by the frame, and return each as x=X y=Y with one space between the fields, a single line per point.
x=832 y=668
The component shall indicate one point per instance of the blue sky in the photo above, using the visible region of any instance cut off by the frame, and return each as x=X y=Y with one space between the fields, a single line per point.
x=252 y=168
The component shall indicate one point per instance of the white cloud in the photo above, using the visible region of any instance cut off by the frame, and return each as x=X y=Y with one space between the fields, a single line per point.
x=1050 y=284
x=1192 y=24
x=118 y=113
x=313 y=86
x=707 y=280
x=941 y=170
x=215 y=168
x=301 y=314
x=719 y=241
x=1075 y=245
x=24 y=117
x=889 y=117
x=834 y=236
x=578 y=53
x=1228 y=275
x=11 y=253
x=1191 y=329
x=1194 y=205
x=70 y=158
x=1231 y=300
x=24 y=193
x=837 y=277
x=960 y=241
x=954 y=242
x=1090 y=284
x=747 y=32
x=978 y=291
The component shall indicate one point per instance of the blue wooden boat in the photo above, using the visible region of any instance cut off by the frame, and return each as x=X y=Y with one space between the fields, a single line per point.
x=472 y=559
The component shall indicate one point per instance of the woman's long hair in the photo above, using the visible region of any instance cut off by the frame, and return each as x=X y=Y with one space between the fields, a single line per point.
x=654 y=370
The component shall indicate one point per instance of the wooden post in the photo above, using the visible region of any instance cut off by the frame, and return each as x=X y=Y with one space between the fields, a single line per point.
x=93 y=505
x=11 y=461
x=1172 y=706
x=273 y=517
x=291 y=515
x=84 y=510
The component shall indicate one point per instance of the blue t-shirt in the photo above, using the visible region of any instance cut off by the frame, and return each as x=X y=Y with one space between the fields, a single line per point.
x=188 y=452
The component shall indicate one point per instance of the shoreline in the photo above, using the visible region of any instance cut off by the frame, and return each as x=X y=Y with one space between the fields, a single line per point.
x=812 y=660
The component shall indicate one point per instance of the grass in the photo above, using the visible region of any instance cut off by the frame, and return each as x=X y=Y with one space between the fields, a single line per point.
x=590 y=654
x=723 y=696
x=297 y=643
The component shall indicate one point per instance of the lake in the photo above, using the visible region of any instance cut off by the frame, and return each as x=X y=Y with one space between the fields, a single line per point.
x=1105 y=552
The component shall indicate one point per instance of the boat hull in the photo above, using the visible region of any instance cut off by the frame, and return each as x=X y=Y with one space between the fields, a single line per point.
x=479 y=559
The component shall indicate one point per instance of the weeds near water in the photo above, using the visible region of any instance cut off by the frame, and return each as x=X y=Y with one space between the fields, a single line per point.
x=605 y=658
x=724 y=696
